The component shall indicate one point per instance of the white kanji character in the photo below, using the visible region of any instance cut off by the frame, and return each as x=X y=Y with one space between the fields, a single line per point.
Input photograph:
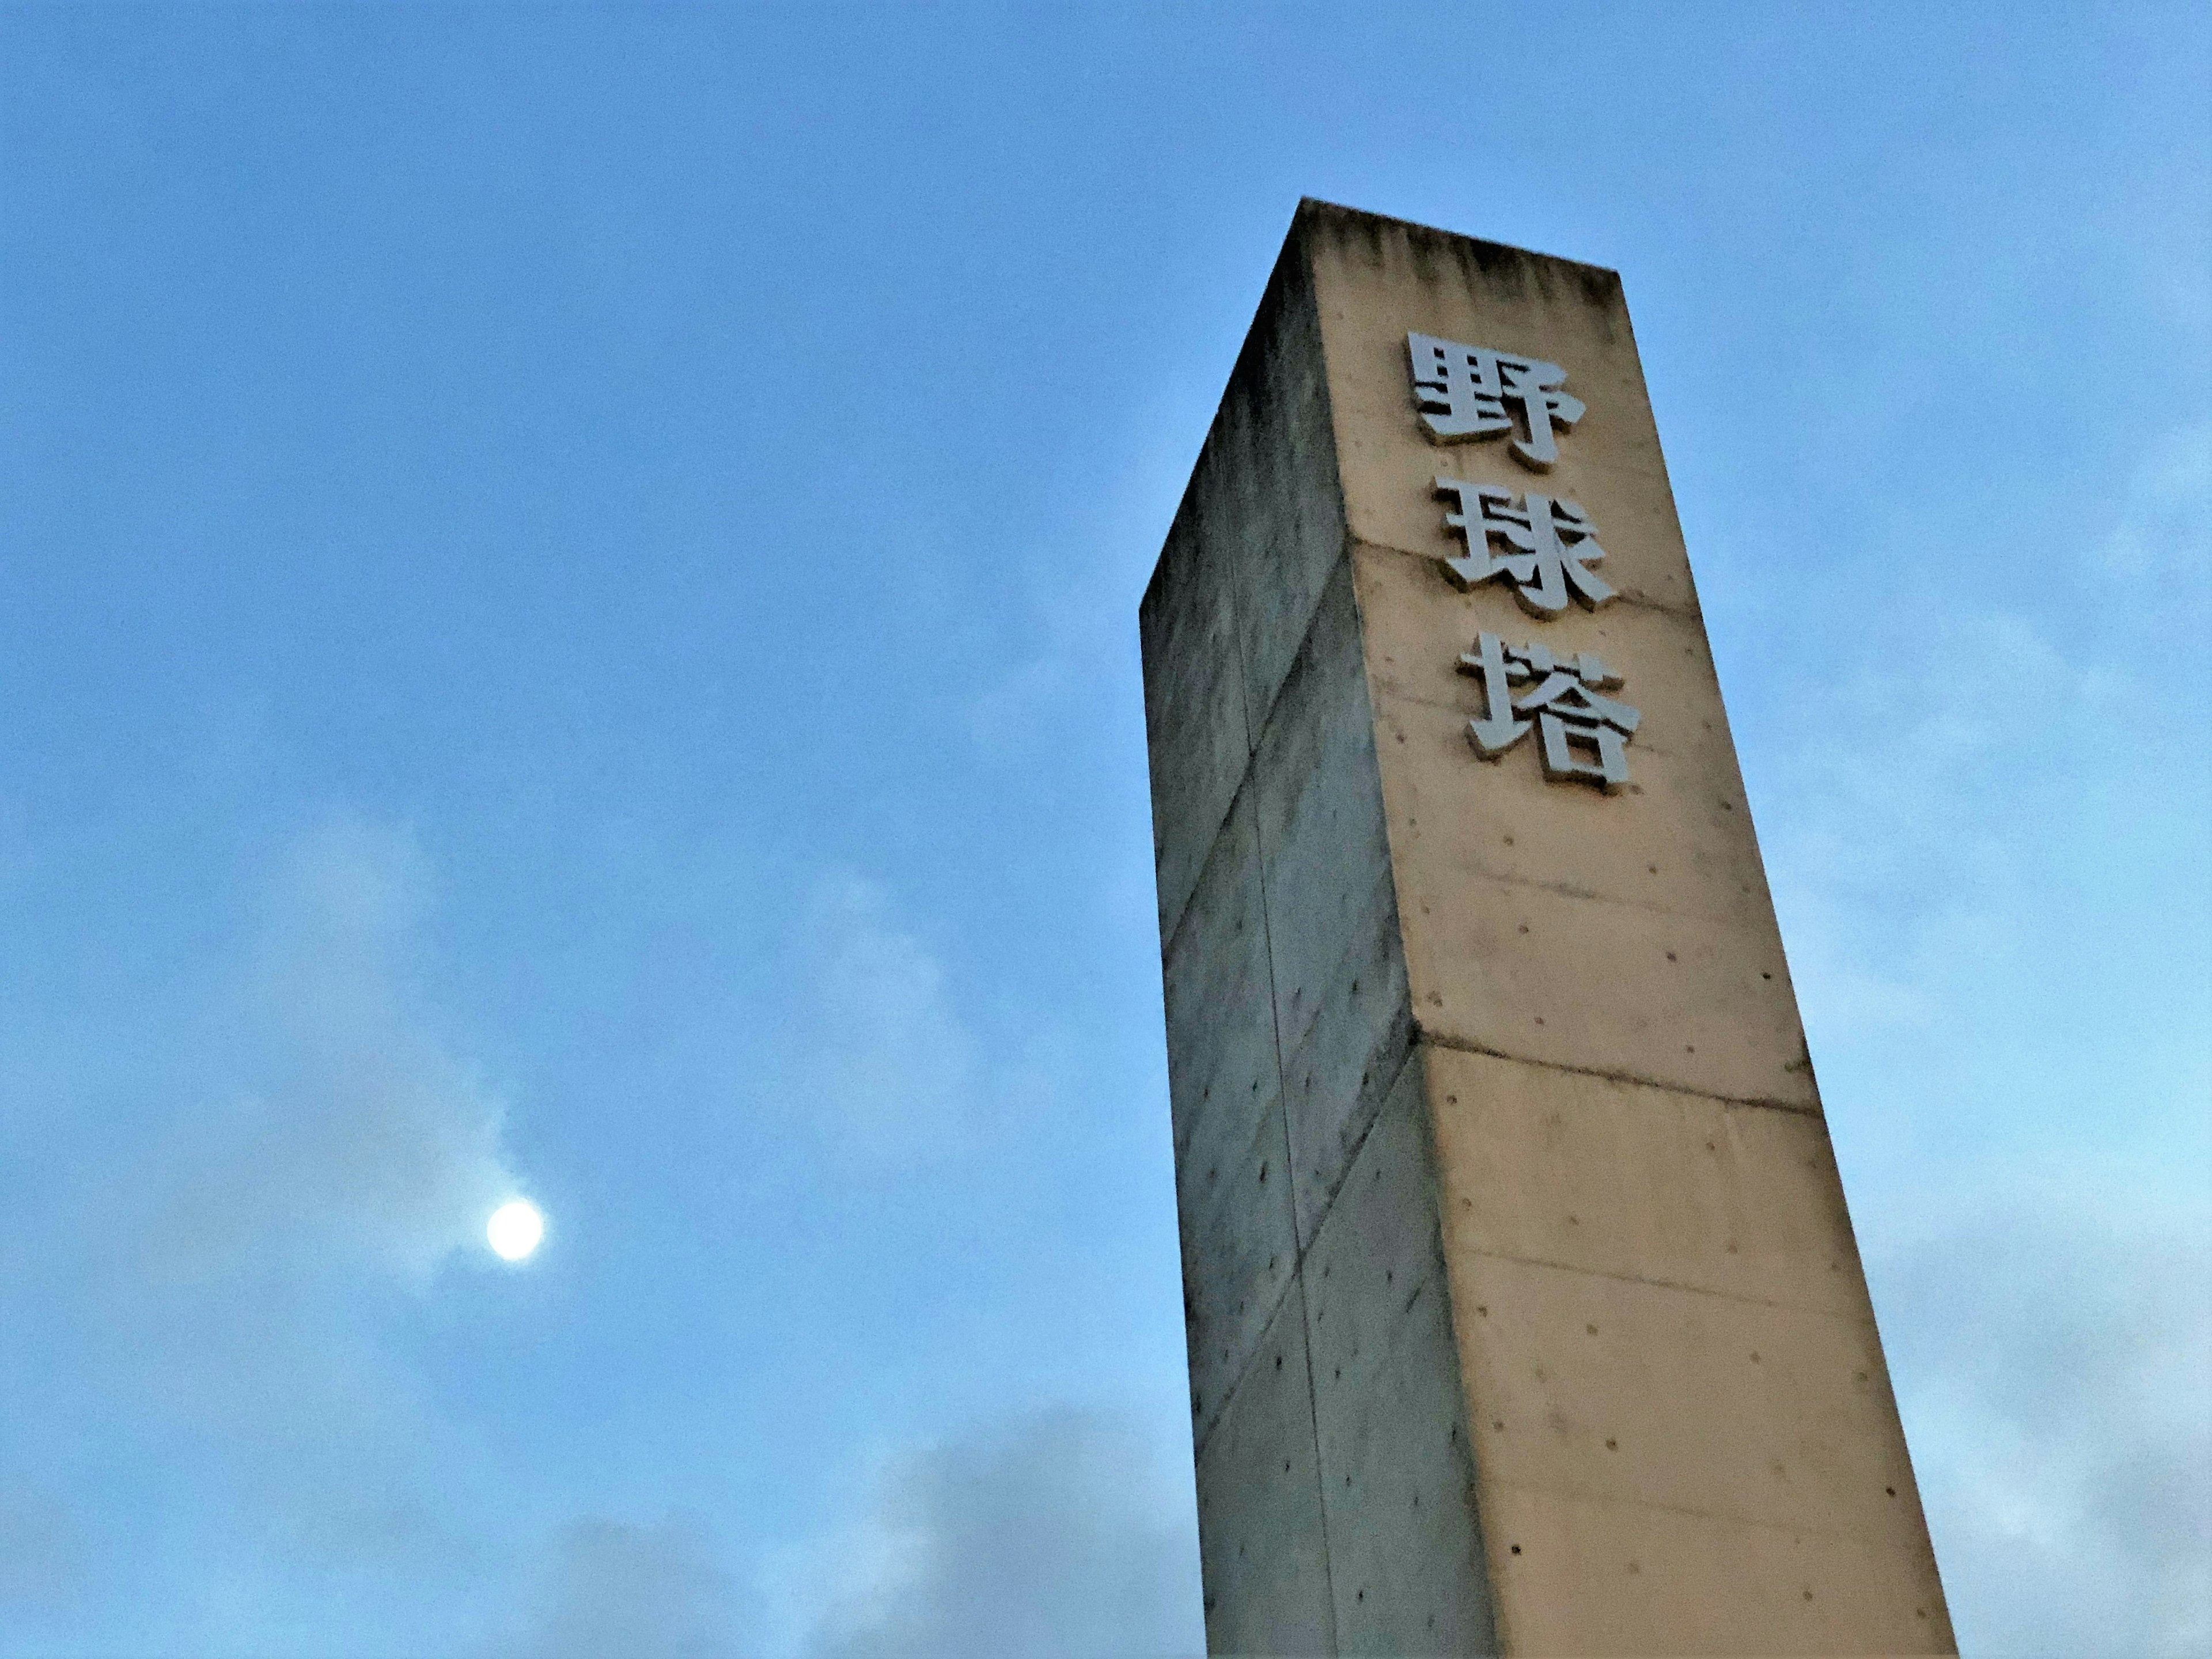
x=1556 y=545
x=1467 y=391
x=1461 y=392
x=1566 y=708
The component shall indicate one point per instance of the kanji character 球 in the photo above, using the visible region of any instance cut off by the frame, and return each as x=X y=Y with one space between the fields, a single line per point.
x=1584 y=735
x=1552 y=546
x=1471 y=391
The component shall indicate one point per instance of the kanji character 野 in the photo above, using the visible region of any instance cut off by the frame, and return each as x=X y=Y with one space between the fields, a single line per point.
x=1553 y=546
x=1469 y=392
x=1584 y=735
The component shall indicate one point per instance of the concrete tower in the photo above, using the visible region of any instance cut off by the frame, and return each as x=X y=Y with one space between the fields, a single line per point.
x=1524 y=1309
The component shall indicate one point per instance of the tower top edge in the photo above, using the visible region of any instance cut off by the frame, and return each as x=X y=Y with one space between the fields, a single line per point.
x=1313 y=213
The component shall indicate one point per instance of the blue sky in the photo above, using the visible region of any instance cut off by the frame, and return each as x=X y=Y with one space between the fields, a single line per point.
x=567 y=586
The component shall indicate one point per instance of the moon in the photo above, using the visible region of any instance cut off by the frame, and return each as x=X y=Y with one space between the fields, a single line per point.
x=514 y=1230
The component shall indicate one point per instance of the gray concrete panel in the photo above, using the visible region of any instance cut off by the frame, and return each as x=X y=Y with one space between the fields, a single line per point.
x=1397 y=1470
x=1263 y=1549
x=1283 y=517
x=1232 y=1164
x=1260 y=528
x=1240 y=1254
x=1194 y=715
x=1342 y=1010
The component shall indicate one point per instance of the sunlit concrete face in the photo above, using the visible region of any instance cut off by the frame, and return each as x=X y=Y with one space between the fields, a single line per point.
x=1524 y=1309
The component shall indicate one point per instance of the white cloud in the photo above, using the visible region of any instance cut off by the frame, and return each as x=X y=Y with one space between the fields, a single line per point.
x=617 y=1591
x=361 y=1131
x=1064 y=1536
x=1984 y=837
x=1976 y=773
x=2054 y=1356
x=878 y=1053
x=1961 y=745
x=1909 y=808
x=1071 y=636
x=2164 y=528
x=236 y=1256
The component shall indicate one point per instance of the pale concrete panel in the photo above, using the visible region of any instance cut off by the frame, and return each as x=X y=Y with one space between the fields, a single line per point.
x=1341 y=1013
x=1396 y=1470
x=1419 y=621
x=1376 y=279
x=1591 y=1173
x=1669 y=845
x=1654 y=996
x=1194 y=719
x=1263 y=1549
x=1232 y=1160
x=1600 y=1387
x=1671 y=839
x=1592 y=1577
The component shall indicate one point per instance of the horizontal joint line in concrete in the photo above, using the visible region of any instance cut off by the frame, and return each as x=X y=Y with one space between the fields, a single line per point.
x=1683 y=612
x=1468 y=1046
x=1866 y=1320
x=1568 y=890
x=1795 y=1528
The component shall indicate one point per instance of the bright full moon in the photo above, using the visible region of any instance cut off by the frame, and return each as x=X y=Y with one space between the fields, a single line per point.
x=514 y=1228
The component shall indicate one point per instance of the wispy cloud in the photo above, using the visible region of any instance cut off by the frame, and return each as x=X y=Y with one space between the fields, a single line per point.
x=1986 y=828
x=2163 y=531
x=1970 y=772
x=221 y=1272
x=2056 y=1363
x=1063 y=1535
x=357 y=1129
x=642 y=1592
x=878 y=1053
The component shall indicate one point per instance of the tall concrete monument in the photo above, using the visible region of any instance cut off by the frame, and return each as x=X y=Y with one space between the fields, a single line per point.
x=1524 y=1309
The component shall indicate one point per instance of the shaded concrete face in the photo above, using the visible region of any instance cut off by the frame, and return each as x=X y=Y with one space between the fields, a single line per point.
x=1336 y=1485
x=1523 y=1310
